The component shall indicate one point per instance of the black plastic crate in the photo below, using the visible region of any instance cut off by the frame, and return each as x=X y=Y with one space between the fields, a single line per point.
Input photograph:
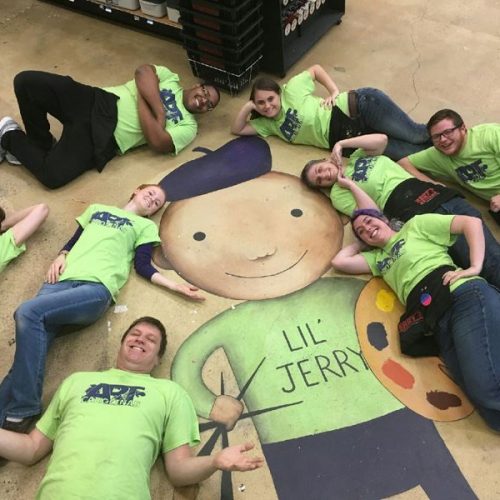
x=230 y=52
x=235 y=27
x=235 y=67
x=226 y=80
x=216 y=9
x=218 y=38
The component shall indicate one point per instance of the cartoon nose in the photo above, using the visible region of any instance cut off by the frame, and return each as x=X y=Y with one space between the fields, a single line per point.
x=256 y=253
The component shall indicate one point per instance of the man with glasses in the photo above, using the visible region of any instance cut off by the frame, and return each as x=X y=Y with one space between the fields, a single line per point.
x=469 y=157
x=99 y=123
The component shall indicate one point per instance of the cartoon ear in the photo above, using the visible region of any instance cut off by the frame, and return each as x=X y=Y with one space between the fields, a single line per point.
x=159 y=258
x=345 y=220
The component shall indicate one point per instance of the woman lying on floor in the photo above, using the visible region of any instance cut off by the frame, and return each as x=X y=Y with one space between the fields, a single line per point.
x=460 y=309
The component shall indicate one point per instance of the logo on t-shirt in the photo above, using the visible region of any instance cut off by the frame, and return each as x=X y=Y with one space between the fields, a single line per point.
x=361 y=168
x=172 y=111
x=473 y=172
x=290 y=127
x=111 y=220
x=114 y=394
x=395 y=252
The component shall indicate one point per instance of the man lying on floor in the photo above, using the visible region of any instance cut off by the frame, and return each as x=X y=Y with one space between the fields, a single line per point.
x=106 y=429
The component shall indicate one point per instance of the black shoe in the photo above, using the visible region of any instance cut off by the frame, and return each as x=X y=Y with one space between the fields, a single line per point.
x=22 y=427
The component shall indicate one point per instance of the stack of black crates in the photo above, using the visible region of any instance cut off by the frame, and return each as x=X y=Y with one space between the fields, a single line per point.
x=223 y=39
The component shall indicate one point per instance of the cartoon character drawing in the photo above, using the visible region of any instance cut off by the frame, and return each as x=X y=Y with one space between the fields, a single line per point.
x=328 y=427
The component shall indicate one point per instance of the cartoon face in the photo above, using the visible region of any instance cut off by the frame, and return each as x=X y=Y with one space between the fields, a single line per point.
x=263 y=238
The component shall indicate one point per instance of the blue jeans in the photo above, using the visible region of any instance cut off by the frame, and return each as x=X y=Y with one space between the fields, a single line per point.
x=469 y=340
x=38 y=321
x=379 y=113
x=459 y=251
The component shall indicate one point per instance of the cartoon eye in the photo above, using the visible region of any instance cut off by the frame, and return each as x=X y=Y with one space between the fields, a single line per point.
x=296 y=212
x=199 y=236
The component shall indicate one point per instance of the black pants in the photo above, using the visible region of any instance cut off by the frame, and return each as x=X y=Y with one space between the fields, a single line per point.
x=38 y=94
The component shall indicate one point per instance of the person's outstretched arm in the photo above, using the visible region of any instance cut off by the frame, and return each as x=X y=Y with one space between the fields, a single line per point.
x=142 y=264
x=363 y=200
x=25 y=222
x=321 y=76
x=240 y=125
x=495 y=203
x=472 y=229
x=183 y=468
x=350 y=261
x=26 y=449
x=408 y=166
x=371 y=144
x=151 y=111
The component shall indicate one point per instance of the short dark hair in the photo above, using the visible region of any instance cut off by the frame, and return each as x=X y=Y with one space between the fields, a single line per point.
x=303 y=175
x=156 y=323
x=444 y=114
x=263 y=83
x=209 y=83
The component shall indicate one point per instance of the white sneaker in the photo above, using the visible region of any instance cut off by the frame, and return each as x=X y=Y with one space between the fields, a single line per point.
x=6 y=125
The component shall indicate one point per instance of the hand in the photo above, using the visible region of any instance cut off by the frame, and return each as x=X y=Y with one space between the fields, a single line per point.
x=226 y=410
x=233 y=458
x=188 y=290
x=452 y=276
x=495 y=203
x=343 y=181
x=336 y=155
x=328 y=102
x=56 y=269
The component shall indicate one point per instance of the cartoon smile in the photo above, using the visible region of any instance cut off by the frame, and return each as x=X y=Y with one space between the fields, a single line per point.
x=273 y=274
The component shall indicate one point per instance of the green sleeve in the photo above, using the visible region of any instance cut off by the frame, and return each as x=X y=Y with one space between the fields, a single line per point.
x=182 y=425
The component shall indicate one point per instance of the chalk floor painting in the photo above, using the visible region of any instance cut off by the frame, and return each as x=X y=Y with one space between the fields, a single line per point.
x=338 y=411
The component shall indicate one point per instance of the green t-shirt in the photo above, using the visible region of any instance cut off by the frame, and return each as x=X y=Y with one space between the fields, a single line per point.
x=8 y=248
x=377 y=176
x=476 y=167
x=105 y=249
x=180 y=123
x=298 y=358
x=301 y=120
x=411 y=254
x=108 y=429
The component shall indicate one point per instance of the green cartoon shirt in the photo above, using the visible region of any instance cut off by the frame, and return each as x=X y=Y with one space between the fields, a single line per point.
x=109 y=428
x=411 y=254
x=180 y=124
x=476 y=167
x=300 y=357
x=301 y=120
x=105 y=249
x=8 y=248
x=377 y=176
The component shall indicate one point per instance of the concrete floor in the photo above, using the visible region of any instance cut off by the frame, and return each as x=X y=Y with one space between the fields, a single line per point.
x=425 y=54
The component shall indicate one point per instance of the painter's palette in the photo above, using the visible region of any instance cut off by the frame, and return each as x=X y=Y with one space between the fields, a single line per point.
x=421 y=384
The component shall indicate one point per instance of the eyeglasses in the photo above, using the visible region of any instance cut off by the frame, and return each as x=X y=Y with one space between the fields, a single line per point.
x=445 y=133
x=206 y=95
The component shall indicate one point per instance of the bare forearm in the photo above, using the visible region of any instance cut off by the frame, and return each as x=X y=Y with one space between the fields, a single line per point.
x=372 y=144
x=349 y=260
x=474 y=235
x=20 y=448
x=148 y=88
x=153 y=128
x=321 y=76
x=240 y=123
x=192 y=470
x=407 y=165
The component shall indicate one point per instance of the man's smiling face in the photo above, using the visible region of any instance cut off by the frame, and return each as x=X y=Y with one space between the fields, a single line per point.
x=264 y=238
